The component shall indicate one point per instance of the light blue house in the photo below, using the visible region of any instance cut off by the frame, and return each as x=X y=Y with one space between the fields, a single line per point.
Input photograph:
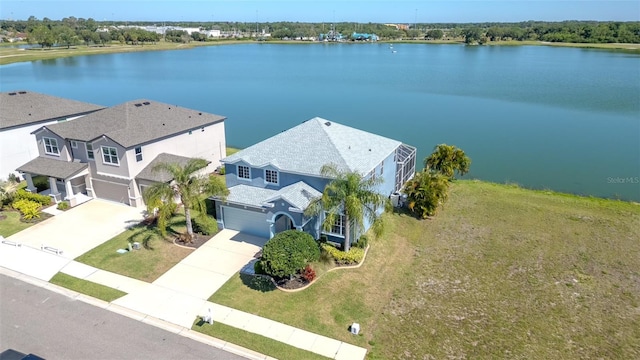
x=272 y=182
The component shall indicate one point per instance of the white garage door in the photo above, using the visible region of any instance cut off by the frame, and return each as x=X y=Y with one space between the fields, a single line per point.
x=111 y=191
x=246 y=221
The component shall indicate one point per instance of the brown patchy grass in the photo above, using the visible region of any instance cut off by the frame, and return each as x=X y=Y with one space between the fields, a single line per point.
x=501 y=272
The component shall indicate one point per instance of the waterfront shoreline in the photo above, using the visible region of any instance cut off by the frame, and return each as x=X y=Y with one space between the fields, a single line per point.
x=10 y=55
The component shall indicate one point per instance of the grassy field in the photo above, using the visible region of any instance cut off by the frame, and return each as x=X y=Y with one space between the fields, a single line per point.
x=254 y=342
x=501 y=272
x=13 y=55
x=146 y=264
x=11 y=223
x=87 y=287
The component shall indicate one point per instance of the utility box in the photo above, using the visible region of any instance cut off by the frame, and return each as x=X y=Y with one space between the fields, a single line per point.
x=355 y=328
x=395 y=199
x=136 y=246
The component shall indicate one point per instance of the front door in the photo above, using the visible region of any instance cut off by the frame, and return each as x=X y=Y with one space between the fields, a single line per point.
x=283 y=223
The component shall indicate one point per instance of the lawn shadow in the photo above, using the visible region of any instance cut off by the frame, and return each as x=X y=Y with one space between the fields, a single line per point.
x=258 y=283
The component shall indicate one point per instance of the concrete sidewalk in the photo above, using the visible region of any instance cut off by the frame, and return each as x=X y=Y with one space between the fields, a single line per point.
x=289 y=335
x=179 y=296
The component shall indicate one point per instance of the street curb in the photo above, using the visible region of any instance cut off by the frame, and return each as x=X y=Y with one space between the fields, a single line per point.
x=134 y=315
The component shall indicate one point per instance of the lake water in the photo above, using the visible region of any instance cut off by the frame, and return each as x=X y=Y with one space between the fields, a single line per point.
x=566 y=119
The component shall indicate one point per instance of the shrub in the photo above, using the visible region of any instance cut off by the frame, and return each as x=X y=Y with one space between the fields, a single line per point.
x=354 y=256
x=288 y=253
x=63 y=205
x=13 y=178
x=41 y=183
x=257 y=268
x=362 y=242
x=204 y=225
x=43 y=200
x=222 y=171
x=29 y=209
x=309 y=274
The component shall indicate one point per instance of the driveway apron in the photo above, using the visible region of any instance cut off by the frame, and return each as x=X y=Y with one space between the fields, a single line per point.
x=178 y=294
x=48 y=246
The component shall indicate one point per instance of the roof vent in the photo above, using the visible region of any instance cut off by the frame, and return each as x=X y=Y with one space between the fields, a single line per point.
x=162 y=124
x=169 y=107
x=12 y=94
x=138 y=105
x=328 y=123
x=199 y=113
x=146 y=103
x=22 y=92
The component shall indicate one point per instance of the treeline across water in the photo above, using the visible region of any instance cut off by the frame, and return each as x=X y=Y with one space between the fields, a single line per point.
x=72 y=31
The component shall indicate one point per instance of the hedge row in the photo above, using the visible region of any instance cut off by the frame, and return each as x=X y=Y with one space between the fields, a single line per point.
x=354 y=256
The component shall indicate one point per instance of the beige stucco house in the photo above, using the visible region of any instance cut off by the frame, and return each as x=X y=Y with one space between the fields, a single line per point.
x=109 y=154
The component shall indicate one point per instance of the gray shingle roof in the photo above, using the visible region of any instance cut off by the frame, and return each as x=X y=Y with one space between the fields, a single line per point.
x=161 y=176
x=307 y=147
x=26 y=107
x=51 y=167
x=299 y=195
x=135 y=122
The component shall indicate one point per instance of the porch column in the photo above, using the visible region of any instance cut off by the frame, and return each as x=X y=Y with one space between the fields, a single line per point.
x=30 y=186
x=71 y=197
x=272 y=228
x=53 y=190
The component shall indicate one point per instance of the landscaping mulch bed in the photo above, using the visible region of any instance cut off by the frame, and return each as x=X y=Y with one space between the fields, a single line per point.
x=197 y=241
x=295 y=282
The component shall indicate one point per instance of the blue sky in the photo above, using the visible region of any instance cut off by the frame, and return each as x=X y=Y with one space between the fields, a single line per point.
x=425 y=11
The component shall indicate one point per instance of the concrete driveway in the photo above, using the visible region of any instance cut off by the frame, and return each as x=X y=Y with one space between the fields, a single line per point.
x=178 y=295
x=74 y=232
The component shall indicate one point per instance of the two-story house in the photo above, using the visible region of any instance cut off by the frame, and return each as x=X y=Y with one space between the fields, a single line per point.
x=109 y=154
x=272 y=182
x=21 y=113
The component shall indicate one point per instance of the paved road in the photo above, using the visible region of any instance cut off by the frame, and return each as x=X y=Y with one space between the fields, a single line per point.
x=36 y=320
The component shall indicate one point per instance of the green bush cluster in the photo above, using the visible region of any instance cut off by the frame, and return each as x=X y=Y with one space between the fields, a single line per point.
x=362 y=242
x=41 y=183
x=288 y=253
x=354 y=256
x=43 y=200
x=63 y=205
x=257 y=268
x=204 y=225
x=29 y=209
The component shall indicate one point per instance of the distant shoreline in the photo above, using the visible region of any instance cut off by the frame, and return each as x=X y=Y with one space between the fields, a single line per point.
x=10 y=55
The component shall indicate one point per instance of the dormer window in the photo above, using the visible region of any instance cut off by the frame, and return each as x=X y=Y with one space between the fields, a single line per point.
x=244 y=172
x=51 y=146
x=271 y=177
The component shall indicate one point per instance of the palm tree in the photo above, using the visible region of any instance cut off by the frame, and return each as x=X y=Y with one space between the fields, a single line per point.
x=447 y=159
x=350 y=195
x=187 y=186
x=426 y=191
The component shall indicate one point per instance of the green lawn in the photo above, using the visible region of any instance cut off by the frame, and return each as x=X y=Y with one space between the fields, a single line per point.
x=87 y=287
x=11 y=224
x=500 y=272
x=254 y=342
x=232 y=150
x=146 y=264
